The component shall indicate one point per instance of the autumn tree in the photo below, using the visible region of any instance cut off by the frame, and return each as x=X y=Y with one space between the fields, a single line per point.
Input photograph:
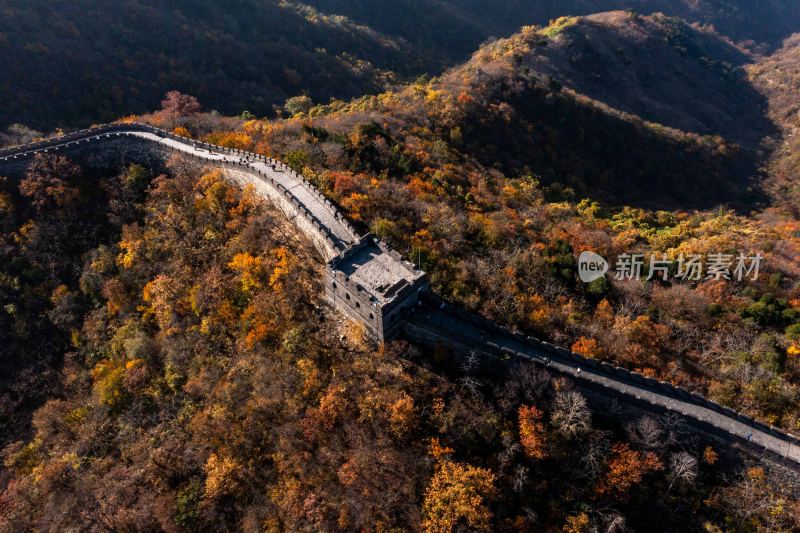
x=49 y=182
x=221 y=476
x=402 y=415
x=458 y=494
x=626 y=469
x=177 y=108
x=587 y=347
x=579 y=523
x=532 y=432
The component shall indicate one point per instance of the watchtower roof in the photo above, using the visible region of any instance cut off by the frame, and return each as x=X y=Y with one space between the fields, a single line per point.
x=381 y=272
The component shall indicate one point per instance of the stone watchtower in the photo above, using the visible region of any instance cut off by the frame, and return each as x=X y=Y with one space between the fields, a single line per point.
x=374 y=285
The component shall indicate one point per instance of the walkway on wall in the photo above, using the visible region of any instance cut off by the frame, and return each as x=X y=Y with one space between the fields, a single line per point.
x=453 y=326
x=280 y=173
x=273 y=179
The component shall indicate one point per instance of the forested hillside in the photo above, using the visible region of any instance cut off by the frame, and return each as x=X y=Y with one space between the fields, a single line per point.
x=658 y=68
x=205 y=387
x=778 y=77
x=495 y=179
x=168 y=362
x=72 y=62
x=579 y=102
x=755 y=23
x=69 y=63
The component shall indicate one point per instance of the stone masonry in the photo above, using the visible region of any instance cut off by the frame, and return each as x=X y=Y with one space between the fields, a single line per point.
x=374 y=285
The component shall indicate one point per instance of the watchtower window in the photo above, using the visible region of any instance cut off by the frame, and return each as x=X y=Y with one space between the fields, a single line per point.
x=334 y=285
x=371 y=316
x=358 y=304
x=347 y=295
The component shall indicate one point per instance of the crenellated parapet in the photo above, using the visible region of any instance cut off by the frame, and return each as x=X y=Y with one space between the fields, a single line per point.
x=314 y=214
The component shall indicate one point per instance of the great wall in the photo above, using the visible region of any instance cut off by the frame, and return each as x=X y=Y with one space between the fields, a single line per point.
x=374 y=285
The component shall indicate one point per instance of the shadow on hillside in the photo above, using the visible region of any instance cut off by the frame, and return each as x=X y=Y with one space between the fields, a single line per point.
x=662 y=70
x=608 y=155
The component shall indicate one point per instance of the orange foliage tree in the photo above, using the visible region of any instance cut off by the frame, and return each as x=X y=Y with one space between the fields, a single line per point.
x=532 y=432
x=587 y=347
x=626 y=468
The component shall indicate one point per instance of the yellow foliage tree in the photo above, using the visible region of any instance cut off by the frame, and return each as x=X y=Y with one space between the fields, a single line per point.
x=436 y=449
x=710 y=456
x=539 y=310
x=587 y=347
x=251 y=272
x=281 y=268
x=130 y=246
x=356 y=205
x=458 y=494
x=578 y=523
x=231 y=139
x=222 y=474
x=160 y=296
x=401 y=415
x=216 y=194
x=260 y=324
x=604 y=313
x=108 y=376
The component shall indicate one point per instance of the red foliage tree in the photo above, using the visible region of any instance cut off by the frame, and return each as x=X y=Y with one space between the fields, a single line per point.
x=177 y=106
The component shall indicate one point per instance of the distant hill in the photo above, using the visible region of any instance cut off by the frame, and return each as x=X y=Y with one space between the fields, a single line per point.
x=69 y=63
x=73 y=62
x=754 y=23
x=778 y=78
x=630 y=108
x=656 y=67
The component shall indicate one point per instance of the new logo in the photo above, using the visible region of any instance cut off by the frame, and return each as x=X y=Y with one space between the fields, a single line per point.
x=591 y=266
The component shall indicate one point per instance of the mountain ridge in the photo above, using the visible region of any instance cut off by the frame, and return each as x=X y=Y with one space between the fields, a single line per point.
x=70 y=64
